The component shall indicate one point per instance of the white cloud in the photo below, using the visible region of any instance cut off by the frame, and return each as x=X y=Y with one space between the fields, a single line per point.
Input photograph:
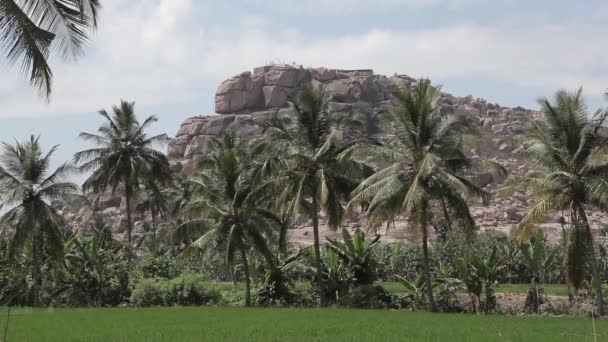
x=157 y=52
x=331 y=7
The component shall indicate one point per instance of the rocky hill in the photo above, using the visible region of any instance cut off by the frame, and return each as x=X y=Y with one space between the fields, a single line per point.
x=246 y=100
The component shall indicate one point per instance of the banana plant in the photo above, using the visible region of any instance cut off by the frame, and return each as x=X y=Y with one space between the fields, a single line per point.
x=537 y=256
x=470 y=274
x=478 y=273
x=90 y=265
x=415 y=288
x=356 y=253
x=335 y=278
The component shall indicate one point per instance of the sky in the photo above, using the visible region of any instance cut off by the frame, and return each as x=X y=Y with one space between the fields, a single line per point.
x=169 y=56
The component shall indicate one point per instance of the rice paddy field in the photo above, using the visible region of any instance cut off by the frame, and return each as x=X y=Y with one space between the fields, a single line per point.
x=242 y=324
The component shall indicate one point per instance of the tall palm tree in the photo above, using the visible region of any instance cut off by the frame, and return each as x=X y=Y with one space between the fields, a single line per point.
x=222 y=211
x=155 y=200
x=125 y=156
x=312 y=176
x=27 y=188
x=424 y=168
x=31 y=29
x=568 y=151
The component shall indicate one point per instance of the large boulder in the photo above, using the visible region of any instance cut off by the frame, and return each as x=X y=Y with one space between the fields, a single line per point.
x=275 y=96
x=238 y=93
x=344 y=90
x=282 y=77
x=323 y=74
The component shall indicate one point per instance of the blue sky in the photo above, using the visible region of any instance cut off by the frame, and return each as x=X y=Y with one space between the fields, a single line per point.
x=170 y=55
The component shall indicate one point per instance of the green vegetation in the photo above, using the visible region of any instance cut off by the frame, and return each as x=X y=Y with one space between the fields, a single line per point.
x=27 y=186
x=232 y=324
x=309 y=174
x=124 y=156
x=569 y=154
x=219 y=237
x=200 y=245
x=423 y=166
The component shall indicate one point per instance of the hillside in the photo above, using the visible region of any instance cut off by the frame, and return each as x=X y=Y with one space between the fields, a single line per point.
x=248 y=99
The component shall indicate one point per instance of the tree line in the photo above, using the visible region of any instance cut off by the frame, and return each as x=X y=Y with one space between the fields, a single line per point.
x=315 y=166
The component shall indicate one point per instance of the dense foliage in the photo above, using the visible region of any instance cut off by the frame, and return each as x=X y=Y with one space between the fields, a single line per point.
x=201 y=237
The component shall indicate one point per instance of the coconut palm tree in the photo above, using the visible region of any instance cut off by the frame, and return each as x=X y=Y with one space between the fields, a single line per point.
x=424 y=168
x=568 y=151
x=222 y=212
x=31 y=29
x=27 y=189
x=312 y=176
x=155 y=200
x=125 y=156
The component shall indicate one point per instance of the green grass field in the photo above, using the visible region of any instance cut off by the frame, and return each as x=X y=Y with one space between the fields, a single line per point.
x=240 y=324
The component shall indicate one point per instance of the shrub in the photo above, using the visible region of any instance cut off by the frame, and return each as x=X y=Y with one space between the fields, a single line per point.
x=274 y=290
x=158 y=267
x=184 y=290
x=367 y=297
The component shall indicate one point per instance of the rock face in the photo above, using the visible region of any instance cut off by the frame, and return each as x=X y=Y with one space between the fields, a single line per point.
x=246 y=100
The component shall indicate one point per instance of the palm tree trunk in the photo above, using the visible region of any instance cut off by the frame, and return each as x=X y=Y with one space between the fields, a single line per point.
x=317 y=247
x=427 y=266
x=473 y=302
x=283 y=237
x=128 y=207
x=247 y=277
x=597 y=282
x=565 y=246
x=36 y=251
x=153 y=214
x=446 y=215
x=534 y=300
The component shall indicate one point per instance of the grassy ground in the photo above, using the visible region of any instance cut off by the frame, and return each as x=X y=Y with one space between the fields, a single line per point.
x=239 y=324
x=397 y=287
x=550 y=289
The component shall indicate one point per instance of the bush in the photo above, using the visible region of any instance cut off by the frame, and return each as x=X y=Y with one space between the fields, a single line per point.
x=184 y=290
x=158 y=267
x=367 y=297
x=274 y=290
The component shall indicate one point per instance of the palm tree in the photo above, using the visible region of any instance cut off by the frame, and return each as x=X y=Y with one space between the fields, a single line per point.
x=569 y=153
x=423 y=168
x=223 y=212
x=125 y=156
x=154 y=199
x=30 y=30
x=312 y=176
x=27 y=188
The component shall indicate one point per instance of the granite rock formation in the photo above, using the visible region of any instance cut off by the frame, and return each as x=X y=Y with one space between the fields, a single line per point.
x=247 y=99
